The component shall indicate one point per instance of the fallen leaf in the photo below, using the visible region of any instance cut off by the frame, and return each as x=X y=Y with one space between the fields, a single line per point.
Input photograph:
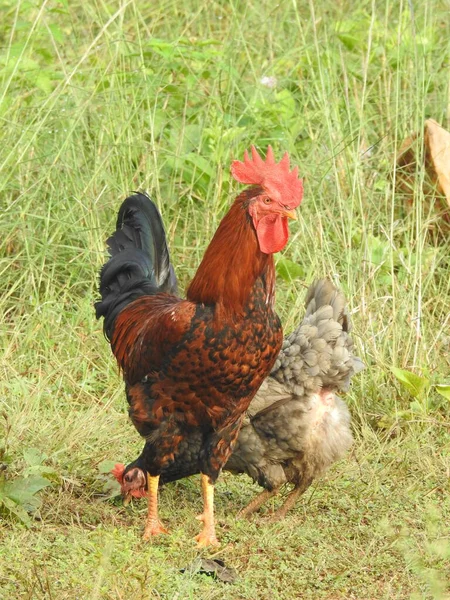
x=436 y=156
x=214 y=568
x=437 y=143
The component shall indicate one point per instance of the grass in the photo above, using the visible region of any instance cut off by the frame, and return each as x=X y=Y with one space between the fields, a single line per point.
x=100 y=98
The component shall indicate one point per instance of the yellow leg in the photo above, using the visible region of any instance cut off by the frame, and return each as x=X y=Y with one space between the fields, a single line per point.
x=207 y=537
x=153 y=525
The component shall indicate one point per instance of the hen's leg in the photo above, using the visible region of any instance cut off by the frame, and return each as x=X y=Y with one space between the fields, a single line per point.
x=153 y=525
x=207 y=537
x=299 y=489
x=257 y=503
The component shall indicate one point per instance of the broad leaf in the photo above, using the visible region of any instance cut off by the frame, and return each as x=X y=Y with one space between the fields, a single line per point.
x=15 y=509
x=412 y=382
x=33 y=457
x=285 y=104
x=202 y=165
x=106 y=466
x=22 y=490
x=47 y=472
x=443 y=390
x=289 y=270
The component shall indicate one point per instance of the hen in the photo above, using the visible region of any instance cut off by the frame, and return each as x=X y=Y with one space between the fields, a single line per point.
x=296 y=426
x=191 y=367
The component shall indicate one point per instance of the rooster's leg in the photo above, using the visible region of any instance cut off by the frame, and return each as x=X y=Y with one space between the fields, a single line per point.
x=153 y=526
x=257 y=503
x=290 y=501
x=207 y=537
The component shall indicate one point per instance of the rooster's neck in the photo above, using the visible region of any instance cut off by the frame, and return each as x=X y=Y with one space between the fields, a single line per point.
x=233 y=263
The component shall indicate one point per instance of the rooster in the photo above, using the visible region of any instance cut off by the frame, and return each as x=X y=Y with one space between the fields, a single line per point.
x=296 y=426
x=191 y=367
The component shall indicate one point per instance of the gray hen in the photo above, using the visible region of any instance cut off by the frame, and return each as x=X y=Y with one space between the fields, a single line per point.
x=296 y=425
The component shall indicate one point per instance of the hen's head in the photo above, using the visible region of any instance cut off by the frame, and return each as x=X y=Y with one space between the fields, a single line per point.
x=281 y=191
x=133 y=481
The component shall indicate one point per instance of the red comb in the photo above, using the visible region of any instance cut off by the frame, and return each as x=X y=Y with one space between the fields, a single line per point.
x=281 y=185
x=118 y=470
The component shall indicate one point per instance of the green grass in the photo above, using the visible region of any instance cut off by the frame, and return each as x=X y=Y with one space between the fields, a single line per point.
x=100 y=98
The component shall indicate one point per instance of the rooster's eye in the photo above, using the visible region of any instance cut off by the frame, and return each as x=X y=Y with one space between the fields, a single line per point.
x=267 y=200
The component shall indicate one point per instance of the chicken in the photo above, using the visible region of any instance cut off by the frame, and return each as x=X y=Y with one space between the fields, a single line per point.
x=191 y=367
x=296 y=426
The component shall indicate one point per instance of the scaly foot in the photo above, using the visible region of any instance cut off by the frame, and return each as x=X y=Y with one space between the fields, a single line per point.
x=299 y=489
x=256 y=503
x=153 y=527
x=207 y=537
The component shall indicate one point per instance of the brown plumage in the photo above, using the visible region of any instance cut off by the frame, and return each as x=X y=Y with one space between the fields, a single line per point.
x=296 y=426
x=191 y=367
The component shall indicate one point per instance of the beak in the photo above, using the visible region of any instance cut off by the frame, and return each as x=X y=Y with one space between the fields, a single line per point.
x=127 y=499
x=290 y=214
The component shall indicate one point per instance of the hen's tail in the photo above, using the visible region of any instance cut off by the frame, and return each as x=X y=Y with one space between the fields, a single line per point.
x=140 y=262
x=319 y=353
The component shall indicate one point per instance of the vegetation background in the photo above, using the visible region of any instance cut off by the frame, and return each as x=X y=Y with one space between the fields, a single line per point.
x=99 y=98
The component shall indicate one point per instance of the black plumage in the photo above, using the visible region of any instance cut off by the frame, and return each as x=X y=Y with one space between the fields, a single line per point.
x=139 y=263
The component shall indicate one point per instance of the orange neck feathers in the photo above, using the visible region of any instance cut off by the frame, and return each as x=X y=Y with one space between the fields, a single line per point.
x=232 y=263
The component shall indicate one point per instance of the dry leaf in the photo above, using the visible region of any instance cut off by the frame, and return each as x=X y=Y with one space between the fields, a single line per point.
x=437 y=143
x=437 y=162
x=215 y=568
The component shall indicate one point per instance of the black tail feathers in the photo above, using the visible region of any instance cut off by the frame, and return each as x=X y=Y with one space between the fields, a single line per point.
x=140 y=262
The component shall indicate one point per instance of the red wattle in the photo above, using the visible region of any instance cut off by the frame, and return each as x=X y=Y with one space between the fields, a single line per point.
x=272 y=232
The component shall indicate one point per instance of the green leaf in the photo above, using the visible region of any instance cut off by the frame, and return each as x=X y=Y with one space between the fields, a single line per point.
x=16 y=49
x=56 y=33
x=22 y=490
x=349 y=40
x=33 y=457
x=416 y=407
x=289 y=270
x=44 y=82
x=200 y=163
x=15 y=509
x=111 y=488
x=47 y=472
x=443 y=390
x=106 y=466
x=413 y=383
x=285 y=104
x=378 y=250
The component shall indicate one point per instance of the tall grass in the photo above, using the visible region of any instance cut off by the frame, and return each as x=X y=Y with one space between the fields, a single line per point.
x=100 y=98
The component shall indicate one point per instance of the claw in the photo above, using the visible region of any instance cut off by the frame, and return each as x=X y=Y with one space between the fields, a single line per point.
x=206 y=538
x=153 y=528
x=153 y=525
